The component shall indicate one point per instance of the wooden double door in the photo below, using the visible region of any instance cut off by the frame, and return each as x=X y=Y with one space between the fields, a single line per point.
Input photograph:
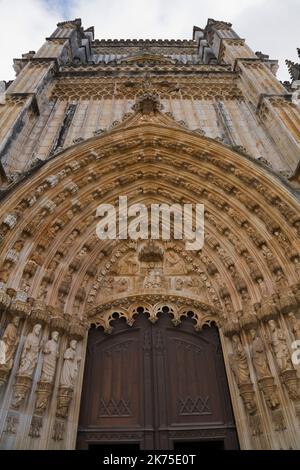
x=155 y=386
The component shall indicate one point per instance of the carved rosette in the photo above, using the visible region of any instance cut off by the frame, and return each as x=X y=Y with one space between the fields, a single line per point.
x=43 y=392
x=21 y=387
x=64 y=398
x=290 y=380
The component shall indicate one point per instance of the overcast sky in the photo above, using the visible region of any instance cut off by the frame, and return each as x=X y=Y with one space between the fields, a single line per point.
x=270 y=26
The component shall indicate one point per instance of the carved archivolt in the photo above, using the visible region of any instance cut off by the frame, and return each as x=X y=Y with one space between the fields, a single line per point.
x=57 y=278
x=251 y=251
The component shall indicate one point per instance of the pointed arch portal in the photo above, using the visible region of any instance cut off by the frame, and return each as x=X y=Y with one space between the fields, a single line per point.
x=55 y=271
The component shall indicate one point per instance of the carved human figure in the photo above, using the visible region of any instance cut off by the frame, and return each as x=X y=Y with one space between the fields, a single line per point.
x=258 y=354
x=121 y=285
x=30 y=352
x=50 y=356
x=280 y=280
x=43 y=290
x=174 y=264
x=295 y=325
x=153 y=280
x=262 y=287
x=70 y=366
x=9 y=343
x=279 y=346
x=5 y=270
x=129 y=265
x=238 y=361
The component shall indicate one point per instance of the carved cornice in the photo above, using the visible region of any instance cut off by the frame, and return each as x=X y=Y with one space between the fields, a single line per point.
x=199 y=87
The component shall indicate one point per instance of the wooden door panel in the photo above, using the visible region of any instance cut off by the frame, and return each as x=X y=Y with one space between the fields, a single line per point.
x=193 y=374
x=155 y=384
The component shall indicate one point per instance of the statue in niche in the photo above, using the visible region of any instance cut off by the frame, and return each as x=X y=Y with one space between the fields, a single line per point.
x=128 y=265
x=262 y=287
x=70 y=239
x=281 y=281
x=70 y=366
x=191 y=283
x=9 y=343
x=50 y=356
x=179 y=283
x=238 y=362
x=30 y=352
x=295 y=325
x=297 y=265
x=50 y=271
x=246 y=303
x=25 y=283
x=188 y=283
x=2 y=353
x=61 y=300
x=5 y=271
x=279 y=346
x=42 y=292
x=258 y=354
x=174 y=264
x=106 y=286
x=37 y=256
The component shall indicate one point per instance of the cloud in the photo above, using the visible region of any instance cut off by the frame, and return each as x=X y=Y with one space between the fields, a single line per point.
x=24 y=26
x=267 y=25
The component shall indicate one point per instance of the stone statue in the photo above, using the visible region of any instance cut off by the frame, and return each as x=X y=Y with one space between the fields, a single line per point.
x=258 y=354
x=153 y=280
x=128 y=265
x=279 y=346
x=70 y=366
x=30 y=352
x=238 y=362
x=9 y=343
x=295 y=325
x=50 y=356
x=174 y=264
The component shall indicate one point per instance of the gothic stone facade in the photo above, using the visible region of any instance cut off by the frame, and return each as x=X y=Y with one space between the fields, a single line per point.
x=201 y=120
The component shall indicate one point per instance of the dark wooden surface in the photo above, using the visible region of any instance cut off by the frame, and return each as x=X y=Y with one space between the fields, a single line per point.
x=156 y=386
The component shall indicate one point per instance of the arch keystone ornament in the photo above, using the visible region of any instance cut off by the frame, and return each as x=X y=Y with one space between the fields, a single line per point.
x=206 y=122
